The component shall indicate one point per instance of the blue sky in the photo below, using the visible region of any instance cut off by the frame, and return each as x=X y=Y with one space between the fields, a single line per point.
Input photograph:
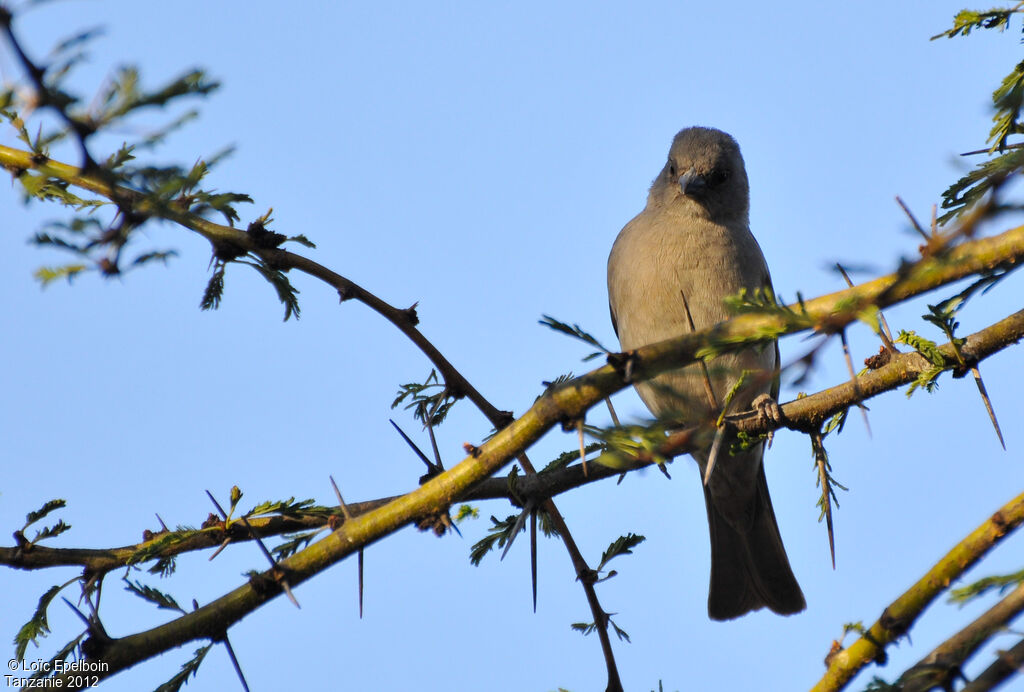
x=480 y=159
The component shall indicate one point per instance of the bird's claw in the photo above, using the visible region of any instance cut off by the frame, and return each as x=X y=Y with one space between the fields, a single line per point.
x=768 y=412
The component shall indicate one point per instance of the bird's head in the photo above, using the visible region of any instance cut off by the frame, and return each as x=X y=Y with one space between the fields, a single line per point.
x=705 y=176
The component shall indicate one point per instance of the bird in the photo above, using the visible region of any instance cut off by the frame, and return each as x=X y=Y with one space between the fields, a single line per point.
x=669 y=271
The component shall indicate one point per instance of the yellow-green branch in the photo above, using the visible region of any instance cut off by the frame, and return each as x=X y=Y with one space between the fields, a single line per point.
x=896 y=619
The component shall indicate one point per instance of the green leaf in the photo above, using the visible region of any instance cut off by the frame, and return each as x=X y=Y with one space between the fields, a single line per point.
x=466 y=512
x=623 y=443
x=47 y=275
x=623 y=545
x=429 y=398
x=301 y=240
x=985 y=177
x=61 y=655
x=36 y=627
x=188 y=669
x=163 y=566
x=154 y=256
x=289 y=508
x=148 y=593
x=293 y=544
x=214 y=288
x=619 y=632
x=930 y=350
x=1001 y=583
x=576 y=332
x=165 y=542
x=1008 y=99
x=51 y=531
x=286 y=293
x=552 y=385
x=585 y=628
x=927 y=348
x=498 y=534
x=836 y=422
x=51 y=505
x=569 y=456
x=967 y=20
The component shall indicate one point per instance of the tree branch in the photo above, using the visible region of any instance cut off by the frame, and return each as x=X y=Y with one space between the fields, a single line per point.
x=1007 y=664
x=942 y=666
x=896 y=619
x=566 y=403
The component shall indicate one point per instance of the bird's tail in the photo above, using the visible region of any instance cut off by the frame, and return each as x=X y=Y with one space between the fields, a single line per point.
x=749 y=568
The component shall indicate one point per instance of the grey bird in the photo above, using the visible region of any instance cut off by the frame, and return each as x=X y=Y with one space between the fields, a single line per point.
x=670 y=268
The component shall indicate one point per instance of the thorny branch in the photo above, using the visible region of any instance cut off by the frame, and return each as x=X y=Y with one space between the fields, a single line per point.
x=941 y=263
x=566 y=403
x=896 y=619
x=799 y=414
x=571 y=400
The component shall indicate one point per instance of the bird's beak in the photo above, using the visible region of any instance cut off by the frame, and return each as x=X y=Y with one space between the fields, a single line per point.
x=691 y=183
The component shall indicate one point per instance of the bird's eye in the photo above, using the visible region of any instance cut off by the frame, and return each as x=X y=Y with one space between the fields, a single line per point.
x=671 y=170
x=718 y=176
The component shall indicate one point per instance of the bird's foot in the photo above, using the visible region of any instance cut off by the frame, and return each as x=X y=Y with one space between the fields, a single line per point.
x=768 y=412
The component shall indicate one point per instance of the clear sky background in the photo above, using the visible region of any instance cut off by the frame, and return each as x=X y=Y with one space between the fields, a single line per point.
x=480 y=158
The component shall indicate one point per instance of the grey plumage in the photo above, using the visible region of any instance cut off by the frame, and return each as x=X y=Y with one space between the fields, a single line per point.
x=690 y=248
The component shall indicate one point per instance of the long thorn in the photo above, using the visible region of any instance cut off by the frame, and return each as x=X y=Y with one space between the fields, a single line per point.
x=583 y=447
x=886 y=334
x=433 y=443
x=288 y=592
x=826 y=500
x=220 y=549
x=518 y=526
x=910 y=215
x=360 y=568
x=430 y=465
x=533 y=557
x=989 y=151
x=988 y=404
x=853 y=380
x=77 y=612
x=708 y=389
x=713 y=455
x=234 y=662
x=274 y=566
x=611 y=411
x=263 y=548
x=223 y=514
x=883 y=331
x=341 y=500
